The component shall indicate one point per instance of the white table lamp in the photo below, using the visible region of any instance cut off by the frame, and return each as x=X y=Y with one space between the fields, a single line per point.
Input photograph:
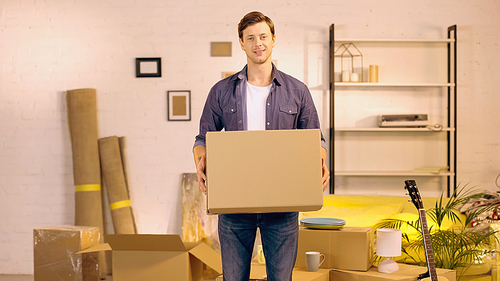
x=388 y=245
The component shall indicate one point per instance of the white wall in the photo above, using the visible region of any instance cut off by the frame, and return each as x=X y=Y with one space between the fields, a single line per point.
x=48 y=47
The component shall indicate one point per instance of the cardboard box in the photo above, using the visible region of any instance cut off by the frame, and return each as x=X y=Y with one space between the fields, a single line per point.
x=346 y=248
x=56 y=253
x=405 y=273
x=258 y=272
x=158 y=257
x=248 y=171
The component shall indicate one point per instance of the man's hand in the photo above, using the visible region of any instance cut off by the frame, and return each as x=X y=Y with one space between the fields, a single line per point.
x=200 y=160
x=326 y=173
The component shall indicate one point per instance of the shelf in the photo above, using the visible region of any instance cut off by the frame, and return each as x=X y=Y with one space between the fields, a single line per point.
x=389 y=174
x=366 y=84
x=427 y=84
x=351 y=129
x=395 y=40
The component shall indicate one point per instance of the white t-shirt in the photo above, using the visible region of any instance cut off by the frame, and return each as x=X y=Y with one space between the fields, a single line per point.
x=256 y=106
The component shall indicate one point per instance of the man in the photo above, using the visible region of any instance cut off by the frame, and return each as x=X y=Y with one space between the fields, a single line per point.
x=260 y=97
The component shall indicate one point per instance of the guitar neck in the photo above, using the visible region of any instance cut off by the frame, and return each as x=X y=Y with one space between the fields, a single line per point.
x=429 y=255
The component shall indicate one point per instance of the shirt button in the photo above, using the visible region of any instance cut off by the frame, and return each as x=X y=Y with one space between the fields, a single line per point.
x=240 y=121
x=268 y=123
x=289 y=111
x=268 y=104
x=232 y=109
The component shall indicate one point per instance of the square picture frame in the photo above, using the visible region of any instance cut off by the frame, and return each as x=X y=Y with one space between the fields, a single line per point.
x=221 y=49
x=147 y=67
x=179 y=105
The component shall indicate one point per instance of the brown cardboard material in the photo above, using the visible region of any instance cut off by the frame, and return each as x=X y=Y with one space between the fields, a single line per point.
x=347 y=248
x=258 y=272
x=57 y=257
x=158 y=257
x=264 y=171
x=405 y=273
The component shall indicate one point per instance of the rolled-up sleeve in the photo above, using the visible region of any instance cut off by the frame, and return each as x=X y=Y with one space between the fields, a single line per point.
x=211 y=118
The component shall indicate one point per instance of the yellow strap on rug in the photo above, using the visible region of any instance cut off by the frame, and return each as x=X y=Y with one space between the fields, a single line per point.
x=88 y=187
x=119 y=204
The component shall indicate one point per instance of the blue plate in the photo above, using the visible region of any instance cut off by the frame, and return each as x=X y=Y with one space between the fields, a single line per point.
x=322 y=223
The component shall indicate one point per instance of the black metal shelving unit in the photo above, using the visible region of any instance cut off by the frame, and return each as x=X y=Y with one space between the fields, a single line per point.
x=451 y=109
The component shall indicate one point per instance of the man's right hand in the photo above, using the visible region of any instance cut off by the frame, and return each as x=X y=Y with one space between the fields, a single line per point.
x=200 y=160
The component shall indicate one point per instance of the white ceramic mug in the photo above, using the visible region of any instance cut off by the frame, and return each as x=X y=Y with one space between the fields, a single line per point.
x=260 y=255
x=313 y=260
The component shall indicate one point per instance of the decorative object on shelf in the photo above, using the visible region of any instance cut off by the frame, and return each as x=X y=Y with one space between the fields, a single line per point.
x=148 y=67
x=388 y=245
x=179 y=105
x=348 y=52
x=354 y=77
x=220 y=49
x=373 y=71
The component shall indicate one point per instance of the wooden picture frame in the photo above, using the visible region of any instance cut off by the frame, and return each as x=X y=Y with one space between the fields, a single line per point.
x=179 y=105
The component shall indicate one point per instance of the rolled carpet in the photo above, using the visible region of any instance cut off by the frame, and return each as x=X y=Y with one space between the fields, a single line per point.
x=82 y=121
x=116 y=187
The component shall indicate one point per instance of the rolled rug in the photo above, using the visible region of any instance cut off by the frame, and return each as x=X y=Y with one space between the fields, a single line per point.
x=123 y=143
x=82 y=121
x=116 y=187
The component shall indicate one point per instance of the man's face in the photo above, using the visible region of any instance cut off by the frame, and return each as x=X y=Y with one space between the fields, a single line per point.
x=258 y=43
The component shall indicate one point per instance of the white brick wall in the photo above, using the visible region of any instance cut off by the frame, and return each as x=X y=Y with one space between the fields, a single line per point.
x=47 y=47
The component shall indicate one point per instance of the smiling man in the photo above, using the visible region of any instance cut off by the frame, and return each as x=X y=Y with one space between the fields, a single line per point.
x=259 y=97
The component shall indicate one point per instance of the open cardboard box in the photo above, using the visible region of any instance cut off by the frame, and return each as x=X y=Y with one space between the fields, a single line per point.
x=158 y=257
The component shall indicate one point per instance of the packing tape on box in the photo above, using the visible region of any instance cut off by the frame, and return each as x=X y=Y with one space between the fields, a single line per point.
x=119 y=204
x=88 y=187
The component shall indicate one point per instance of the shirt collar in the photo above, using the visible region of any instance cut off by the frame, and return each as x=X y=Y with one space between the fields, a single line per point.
x=242 y=75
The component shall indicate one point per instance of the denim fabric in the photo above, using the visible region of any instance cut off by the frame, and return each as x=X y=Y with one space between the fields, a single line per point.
x=279 y=233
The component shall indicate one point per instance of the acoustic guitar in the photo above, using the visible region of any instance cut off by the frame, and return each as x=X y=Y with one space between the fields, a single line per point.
x=430 y=275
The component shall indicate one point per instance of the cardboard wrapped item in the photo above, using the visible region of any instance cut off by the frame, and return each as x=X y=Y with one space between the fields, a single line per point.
x=346 y=248
x=406 y=272
x=248 y=171
x=116 y=185
x=158 y=257
x=82 y=121
x=56 y=254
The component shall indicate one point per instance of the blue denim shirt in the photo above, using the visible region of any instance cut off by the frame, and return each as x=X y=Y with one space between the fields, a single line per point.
x=288 y=106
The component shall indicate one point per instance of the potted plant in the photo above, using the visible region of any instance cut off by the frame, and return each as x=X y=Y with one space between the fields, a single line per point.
x=458 y=247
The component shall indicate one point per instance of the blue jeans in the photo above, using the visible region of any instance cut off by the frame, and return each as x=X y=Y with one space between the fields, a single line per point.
x=279 y=233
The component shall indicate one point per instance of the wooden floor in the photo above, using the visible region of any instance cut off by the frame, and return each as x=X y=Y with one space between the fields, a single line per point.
x=28 y=278
x=31 y=278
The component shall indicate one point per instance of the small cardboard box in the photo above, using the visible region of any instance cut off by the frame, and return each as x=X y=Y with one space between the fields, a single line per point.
x=346 y=248
x=405 y=273
x=158 y=257
x=56 y=253
x=248 y=171
x=258 y=272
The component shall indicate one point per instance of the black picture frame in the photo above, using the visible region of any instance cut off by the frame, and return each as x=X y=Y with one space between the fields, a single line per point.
x=147 y=67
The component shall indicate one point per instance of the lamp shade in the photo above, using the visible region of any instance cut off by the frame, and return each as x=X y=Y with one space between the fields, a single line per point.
x=388 y=242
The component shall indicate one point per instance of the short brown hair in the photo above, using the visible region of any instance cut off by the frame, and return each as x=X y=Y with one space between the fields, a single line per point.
x=254 y=18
